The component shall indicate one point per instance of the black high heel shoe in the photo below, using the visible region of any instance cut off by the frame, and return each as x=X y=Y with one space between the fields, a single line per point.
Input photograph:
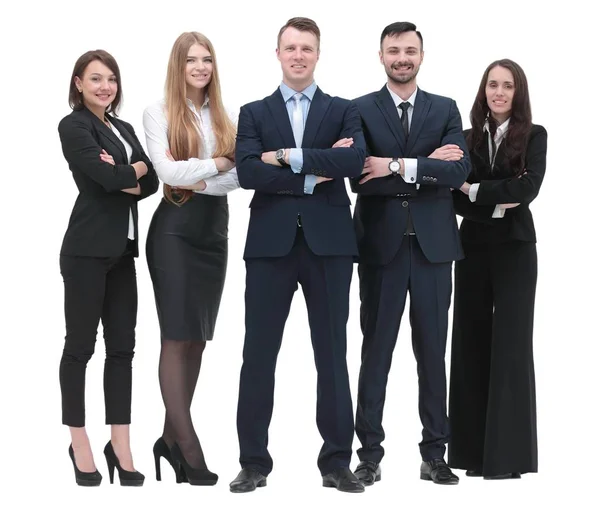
x=130 y=478
x=84 y=478
x=161 y=449
x=194 y=476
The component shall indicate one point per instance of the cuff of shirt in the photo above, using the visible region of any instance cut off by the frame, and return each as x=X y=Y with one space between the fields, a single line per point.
x=498 y=212
x=310 y=181
x=410 y=171
x=296 y=160
x=473 y=192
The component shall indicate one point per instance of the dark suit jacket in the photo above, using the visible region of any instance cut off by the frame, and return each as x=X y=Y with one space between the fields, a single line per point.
x=99 y=222
x=500 y=185
x=279 y=195
x=381 y=213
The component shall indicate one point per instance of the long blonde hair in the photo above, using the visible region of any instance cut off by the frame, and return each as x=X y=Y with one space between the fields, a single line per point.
x=183 y=130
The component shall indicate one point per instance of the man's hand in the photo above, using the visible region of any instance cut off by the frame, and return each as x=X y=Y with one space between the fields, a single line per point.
x=377 y=167
x=508 y=205
x=323 y=179
x=447 y=153
x=465 y=187
x=345 y=142
x=269 y=158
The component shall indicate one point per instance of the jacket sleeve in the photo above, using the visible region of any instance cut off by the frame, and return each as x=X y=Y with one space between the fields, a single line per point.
x=82 y=151
x=255 y=174
x=525 y=187
x=339 y=162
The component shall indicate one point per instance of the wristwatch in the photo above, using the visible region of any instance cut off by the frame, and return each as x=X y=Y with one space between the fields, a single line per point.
x=279 y=155
x=394 y=166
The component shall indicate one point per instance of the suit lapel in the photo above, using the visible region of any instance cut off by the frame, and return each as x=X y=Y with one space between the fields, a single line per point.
x=281 y=118
x=108 y=133
x=124 y=133
x=390 y=113
x=421 y=110
x=318 y=107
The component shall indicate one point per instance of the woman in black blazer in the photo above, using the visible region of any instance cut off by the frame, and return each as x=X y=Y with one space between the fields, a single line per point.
x=492 y=405
x=112 y=173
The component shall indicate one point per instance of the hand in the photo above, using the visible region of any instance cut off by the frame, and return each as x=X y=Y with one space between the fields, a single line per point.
x=376 y=167
x=508 y=205
x=269 y=158
x=345 y=142
x=447 y=153
x=465 y=188
x=104 y=155
x=140 y=169
x=323 y=179
x=224 y=164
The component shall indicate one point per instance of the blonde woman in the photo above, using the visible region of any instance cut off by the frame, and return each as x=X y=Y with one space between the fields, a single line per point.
x=190 y=139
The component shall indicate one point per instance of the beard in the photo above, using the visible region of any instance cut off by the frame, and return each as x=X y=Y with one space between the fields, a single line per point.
x=403 y=79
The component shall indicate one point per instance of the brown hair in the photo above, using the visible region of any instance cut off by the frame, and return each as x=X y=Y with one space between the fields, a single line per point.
x=183 y=132
x=75 y=97
x=302 y=24
x=520 y=118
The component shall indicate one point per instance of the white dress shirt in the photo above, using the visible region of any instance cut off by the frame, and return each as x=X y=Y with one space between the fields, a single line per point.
x=186 y=173
x=410 y=165
x=129 y=151
x=493 y=151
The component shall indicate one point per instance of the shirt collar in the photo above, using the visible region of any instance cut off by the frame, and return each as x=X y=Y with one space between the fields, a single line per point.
x=397 y=100
x=500 y=131
x=191 y=104
x=287 y=92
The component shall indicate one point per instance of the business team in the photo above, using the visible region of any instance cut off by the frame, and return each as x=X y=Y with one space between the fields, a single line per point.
x=413 y=169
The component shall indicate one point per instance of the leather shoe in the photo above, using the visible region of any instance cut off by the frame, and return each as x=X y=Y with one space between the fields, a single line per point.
x=474 y=473
x=438 y=472
x=368 y=472
x=504 y=476
x=247 y=480
x=343 y=480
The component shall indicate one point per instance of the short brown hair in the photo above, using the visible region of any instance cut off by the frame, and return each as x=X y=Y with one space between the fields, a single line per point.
x=302 y=24
x=75 y=97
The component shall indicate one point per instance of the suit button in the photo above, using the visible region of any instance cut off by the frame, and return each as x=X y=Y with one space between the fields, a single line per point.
x=404 y=203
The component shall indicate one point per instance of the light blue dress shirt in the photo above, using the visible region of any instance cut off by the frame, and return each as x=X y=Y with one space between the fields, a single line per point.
x=296 y=157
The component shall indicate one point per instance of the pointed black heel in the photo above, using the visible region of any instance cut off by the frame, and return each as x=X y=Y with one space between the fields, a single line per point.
x=194 y=476
x=87 y=479
x=161 y=449
x=126 y=478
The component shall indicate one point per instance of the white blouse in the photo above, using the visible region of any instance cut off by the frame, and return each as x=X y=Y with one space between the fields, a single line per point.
x=186 y=173
x=129 y=151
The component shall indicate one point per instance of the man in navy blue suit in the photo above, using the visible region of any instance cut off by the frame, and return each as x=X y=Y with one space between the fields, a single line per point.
x=294 y=149
x=407 y=239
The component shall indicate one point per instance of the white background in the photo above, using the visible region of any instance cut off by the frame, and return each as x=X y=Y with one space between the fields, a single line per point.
x=40 y=43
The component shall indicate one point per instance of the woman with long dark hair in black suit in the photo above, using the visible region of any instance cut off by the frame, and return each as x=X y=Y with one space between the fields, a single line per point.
x=492 y=403
x=111 y=172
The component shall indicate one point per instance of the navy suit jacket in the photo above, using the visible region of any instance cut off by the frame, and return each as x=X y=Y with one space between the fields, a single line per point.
x=279 y=195
x=381 y=213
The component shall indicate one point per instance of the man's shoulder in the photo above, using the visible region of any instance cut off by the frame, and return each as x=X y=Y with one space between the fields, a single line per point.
x=437 y=99
x=367 y=99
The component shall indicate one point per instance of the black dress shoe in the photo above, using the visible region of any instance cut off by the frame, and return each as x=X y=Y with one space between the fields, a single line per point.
x=474 y=473
x=343 y=480
x=247 y=480
x=504 y=476
x=368 y=472
x=438 y=472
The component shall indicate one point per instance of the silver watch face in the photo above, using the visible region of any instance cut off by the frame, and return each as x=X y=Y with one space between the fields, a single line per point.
x=279 y=154
x=394 y=166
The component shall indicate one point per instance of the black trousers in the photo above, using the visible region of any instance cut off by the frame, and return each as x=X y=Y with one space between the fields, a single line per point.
x=492 y=404
x=98 y=288
x=270 y=287
x=383 y=291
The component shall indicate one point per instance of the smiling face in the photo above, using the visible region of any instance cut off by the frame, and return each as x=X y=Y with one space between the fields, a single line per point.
x=199 y=67
x=499 y=92
x=401 y=56
x=98 y=86
x=298 y=54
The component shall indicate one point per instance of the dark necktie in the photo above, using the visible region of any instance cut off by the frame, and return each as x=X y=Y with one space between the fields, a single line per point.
x=404 y=118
